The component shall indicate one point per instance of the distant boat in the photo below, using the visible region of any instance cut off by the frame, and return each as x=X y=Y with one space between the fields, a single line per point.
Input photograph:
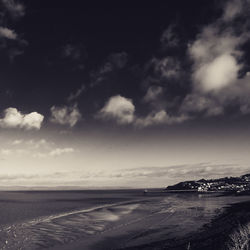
x=145 y=191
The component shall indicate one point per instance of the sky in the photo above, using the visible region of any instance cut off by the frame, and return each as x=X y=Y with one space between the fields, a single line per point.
x=136 y=95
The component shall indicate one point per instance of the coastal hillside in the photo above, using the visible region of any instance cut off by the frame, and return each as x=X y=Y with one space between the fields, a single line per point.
x=233 y=184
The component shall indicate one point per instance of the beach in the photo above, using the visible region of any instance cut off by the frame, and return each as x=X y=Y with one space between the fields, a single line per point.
x=114 y=219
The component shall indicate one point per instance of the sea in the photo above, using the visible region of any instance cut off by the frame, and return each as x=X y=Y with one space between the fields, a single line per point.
x=103 y=219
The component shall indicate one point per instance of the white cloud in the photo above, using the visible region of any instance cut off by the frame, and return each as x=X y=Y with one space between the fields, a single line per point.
x=219 y=73
x=17 y=142
x=65 y=115
x=37 y=148
x=14 y=152
x=53 y=152
x=60 y=151
x=38 y=144
x=122 y=111
x=217 y=56
x=190 y=171
x=8 y=33
x=5 y=152
x=32 y=120
x=15 y=119
x=15 y=8
x=217 y=50
x=218 y=62
x=160 y=117
x=119 y=109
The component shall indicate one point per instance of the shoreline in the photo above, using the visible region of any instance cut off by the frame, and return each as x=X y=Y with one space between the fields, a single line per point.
x=229 y=230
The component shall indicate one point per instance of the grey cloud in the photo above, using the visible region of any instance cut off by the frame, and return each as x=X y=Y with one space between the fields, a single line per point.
x=75 y=95
x=14 y=52
x=74 y=52
x=14 y=8
x=118 y=60
x=169 y=38
x=10 y=40
x=233 y=9
x=164 y=85
x=65 y=115
x=114 y=62
x=167 y=67
x=153 y=93
x=194 y=104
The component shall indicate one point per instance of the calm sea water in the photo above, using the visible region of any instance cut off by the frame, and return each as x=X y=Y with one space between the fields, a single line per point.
x=53 y=219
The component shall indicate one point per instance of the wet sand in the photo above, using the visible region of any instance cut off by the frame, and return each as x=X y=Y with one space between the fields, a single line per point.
x=173 y=228
x=117 y=219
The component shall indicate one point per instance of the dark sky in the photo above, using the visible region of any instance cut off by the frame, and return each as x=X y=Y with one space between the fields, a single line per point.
x=94 y=31
x=87 y=73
